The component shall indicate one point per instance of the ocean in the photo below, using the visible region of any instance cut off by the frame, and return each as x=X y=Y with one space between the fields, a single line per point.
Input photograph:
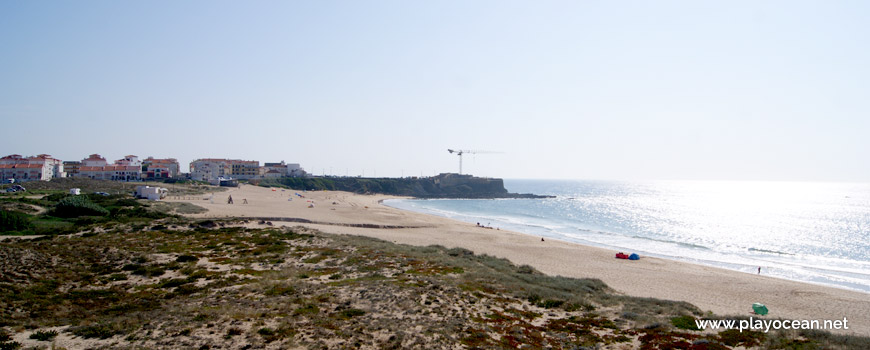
x=811 y=232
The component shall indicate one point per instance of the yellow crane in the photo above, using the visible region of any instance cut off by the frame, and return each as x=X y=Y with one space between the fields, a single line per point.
x=460 y=152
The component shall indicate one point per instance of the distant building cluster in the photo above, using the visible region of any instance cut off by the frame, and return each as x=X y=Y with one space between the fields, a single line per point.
x=131 y=168
x=212 y=169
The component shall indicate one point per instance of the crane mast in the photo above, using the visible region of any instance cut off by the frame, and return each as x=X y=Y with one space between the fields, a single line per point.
x=460 y=152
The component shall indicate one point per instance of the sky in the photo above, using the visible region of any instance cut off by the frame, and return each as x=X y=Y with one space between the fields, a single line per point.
x=607 y=90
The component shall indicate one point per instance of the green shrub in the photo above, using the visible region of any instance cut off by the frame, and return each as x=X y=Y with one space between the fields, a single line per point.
x=734 y=337
x=75 y=206
x=14 y=221
x=308 y=309
x=232 y=332
x=186 y=258
x=278 y=289
x=6 y=342
x=102 y=331
x=349 y=313
x=147 y=271
x=685 y=322
x=525 y=269
x=172 y=283
x=43 y=335
x=10 y=345
x=460 y=252
x=551 y=303
x=185 y=289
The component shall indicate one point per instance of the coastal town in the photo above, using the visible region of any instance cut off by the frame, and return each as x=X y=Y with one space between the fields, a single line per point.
x=16 y=168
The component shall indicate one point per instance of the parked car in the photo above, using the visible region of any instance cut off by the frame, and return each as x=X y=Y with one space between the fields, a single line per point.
x=102 y=193
x=9 y=181
x=16 y=188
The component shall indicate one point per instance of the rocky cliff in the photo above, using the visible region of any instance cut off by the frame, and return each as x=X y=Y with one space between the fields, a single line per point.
x=446 y=185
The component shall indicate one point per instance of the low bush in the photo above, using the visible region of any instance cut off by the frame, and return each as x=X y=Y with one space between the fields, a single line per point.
x=75 y=206
x=14 y=221
x=10 y=345
x=685 y=322
x=350 y=313
x=172 y=283
x=43 y=335
x=186 y=258
x=232 y=332
x=101 y=331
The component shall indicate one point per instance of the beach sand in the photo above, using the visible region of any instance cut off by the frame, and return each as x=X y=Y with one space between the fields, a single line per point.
x=724 y=292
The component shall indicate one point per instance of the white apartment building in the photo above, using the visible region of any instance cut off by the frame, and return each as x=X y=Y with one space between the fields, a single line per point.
x=94 y=160
x=284 y=169
x=42 y=167
x=210 y=169
x=95 y=167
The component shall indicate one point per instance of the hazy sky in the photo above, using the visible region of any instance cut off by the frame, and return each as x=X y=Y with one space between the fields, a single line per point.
x=761 y=90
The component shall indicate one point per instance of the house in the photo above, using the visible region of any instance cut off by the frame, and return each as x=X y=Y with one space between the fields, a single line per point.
x=294 y=170
x=271 y=170
x=208 y=169
x=129 y=161
x=71 y=168
x=95 y=167
x=112 y=172
x=160 y=168
x=211 y=169
x=291 y=169
x=13 y=159
x=94 y=160
x=244 y=169
x=21 y=172
x=41 y=167
x=272 y=174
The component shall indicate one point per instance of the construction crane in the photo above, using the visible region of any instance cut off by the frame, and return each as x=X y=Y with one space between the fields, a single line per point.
x=460 y=152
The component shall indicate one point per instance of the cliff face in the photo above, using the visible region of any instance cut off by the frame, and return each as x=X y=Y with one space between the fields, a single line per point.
x=442 y=186
x=466 y=186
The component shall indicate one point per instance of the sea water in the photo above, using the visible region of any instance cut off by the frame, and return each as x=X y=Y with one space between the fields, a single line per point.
x=811 y=232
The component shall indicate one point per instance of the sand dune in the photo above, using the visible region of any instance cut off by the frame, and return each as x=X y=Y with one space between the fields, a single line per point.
x=721 y=291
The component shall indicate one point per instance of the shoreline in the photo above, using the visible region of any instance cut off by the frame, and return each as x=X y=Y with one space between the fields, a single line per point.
x=722 y=291
x=644 y=254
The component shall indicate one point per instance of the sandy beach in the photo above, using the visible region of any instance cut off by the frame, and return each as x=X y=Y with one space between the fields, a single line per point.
x=721 y=291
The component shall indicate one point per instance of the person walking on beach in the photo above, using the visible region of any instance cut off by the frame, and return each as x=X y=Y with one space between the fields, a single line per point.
x=244 y=201
x=759 y=270
x=230 y=200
